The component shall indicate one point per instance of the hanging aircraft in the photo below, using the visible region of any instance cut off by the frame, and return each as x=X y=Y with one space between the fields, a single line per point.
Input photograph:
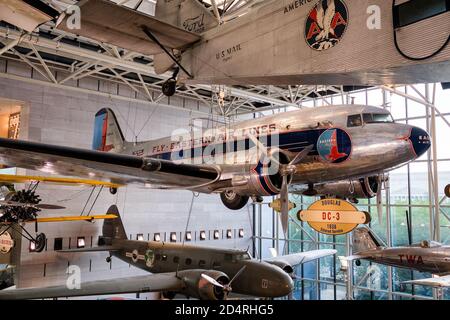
x=18 y=208
x=198 y=272
x=352 y=144
x=289 y=42
x=431 y=257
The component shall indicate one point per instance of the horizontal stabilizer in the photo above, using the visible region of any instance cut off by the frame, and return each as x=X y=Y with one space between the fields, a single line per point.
x=94 y=249
x=110 y=23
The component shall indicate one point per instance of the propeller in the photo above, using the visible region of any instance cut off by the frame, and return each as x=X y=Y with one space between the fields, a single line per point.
x=286 y=171
x=227 y=287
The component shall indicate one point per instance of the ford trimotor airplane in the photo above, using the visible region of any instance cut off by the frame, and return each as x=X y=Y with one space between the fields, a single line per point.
x=199 y=272
x=349 y=144
x=427 y=256
x=277 y=42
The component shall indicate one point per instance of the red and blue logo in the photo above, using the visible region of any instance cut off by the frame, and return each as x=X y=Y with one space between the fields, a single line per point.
x=334 y=146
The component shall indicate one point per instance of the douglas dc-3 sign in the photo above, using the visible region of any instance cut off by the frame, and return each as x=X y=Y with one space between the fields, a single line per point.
x=333 y=216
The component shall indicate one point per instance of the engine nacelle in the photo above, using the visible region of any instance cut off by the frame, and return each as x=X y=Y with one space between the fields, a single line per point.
x=283 y=265
x=364 y=188
x=263 y=179
x=200 y=288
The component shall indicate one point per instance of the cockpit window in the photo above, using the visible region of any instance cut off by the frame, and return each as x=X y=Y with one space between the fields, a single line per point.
x=242 y=256
x=354 y=121
x=377 y=118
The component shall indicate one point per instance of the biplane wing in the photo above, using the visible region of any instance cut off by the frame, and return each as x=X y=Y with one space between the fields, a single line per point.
x=74 y=218
x=11 y=178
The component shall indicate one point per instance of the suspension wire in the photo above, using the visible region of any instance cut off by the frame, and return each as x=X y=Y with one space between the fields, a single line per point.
x=187 y=226
x=95 y=200
x=87 y=201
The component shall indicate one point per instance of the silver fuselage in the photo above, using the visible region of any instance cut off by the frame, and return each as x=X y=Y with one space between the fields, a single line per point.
x=435 y=260
x=371 y=148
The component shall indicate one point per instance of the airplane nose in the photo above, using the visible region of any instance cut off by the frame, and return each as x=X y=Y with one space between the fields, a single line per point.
x=420 y=141
x=285 y=285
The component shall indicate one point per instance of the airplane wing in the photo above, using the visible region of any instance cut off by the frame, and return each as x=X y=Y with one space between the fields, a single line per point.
x=115 y=168
x=139 y=284
x=93 y=249
x=302 y=257
x=108 y=22
x=441 y=282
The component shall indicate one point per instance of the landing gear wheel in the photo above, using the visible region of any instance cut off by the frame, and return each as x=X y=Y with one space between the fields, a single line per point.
x=169 y=87
x=169 y=295
x=108 y=259
x=357 y=263
x=113 y=190
x=40 y=242
x=447 y=191
x=233 y=201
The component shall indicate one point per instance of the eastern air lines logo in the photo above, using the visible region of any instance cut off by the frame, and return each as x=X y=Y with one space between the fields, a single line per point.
x=326 y=24
x=334 y=146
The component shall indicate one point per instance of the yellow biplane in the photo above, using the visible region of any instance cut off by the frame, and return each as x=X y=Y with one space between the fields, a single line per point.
x=20 y=207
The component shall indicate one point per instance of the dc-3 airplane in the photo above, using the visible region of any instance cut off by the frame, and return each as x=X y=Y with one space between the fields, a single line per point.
x=349 y=144
x=277 y=42
x=431 y=257
x=199 y=272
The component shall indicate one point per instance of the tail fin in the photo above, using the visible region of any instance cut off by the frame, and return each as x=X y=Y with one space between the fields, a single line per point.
x=189 y=15
x=107 y=133
x=363 y=240
x=113 y=228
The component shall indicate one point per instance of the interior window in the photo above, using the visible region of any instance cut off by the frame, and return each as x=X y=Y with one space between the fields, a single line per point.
x=354 y=121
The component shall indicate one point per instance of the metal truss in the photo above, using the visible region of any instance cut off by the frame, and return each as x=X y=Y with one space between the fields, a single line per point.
x=50 y=51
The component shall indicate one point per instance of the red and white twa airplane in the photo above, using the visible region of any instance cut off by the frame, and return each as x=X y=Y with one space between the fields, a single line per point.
x=348 y=145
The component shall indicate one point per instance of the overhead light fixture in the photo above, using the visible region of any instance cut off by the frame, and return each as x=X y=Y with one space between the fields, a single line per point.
x=157 y=237
x=140 y=237
x=188 y=236
x=202 y=235
x=241 y=233
x=173 y=237
x=81 y=243
x=229 y=234
x=216 y=234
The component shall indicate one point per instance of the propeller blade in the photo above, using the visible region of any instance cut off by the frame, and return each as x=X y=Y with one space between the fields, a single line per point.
x=263 y=149
x=284 y=197
x=49 y=206
x=30 y=205
x=301 y=155
x=212 y=281
x=236 y=276
x=380 y=200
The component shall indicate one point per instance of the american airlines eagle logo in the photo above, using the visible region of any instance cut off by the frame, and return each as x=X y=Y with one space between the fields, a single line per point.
x=334 y=146
x=326 y=24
